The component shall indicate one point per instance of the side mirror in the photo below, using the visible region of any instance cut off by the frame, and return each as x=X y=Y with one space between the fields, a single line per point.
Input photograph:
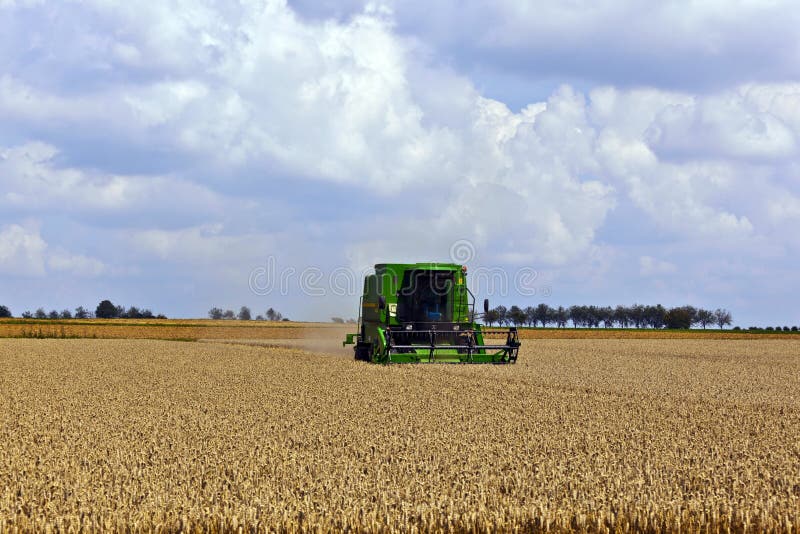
x=485 y=305
x=381 y=302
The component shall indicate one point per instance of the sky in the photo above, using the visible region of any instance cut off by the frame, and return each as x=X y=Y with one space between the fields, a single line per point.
x=181 y=155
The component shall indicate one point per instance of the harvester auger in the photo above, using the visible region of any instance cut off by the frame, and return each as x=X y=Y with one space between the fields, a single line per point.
x=424 y=313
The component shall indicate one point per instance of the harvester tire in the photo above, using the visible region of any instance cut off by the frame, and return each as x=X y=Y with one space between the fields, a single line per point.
x=362 y=353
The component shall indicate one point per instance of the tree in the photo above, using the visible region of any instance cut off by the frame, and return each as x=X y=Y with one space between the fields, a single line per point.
x=272 y=315
x=81 y=313
x=543 y=314
x=607 y=315
x=5 y=312
x=229 y=315
x=259 y=317
x=133 y=313
x=622 y=316
x=590 y=316
x=593 y=316
x=65 y=314
x=704 y=318
x=692 y=311
x=560 y=316
x=516 y=315
x=637 y=315
x=530 y=316
x=724 y=317
x=40 y=313
x=52 y=315
x=244 y=314
x=491 y=317
x=215 y=313
x=337 y=320
x=577 y=315
x=590 y=319
x=654 y=316
x=502 y=314
x=121 y=313
x=106 y=310
x=27 y=315
x=678 y=318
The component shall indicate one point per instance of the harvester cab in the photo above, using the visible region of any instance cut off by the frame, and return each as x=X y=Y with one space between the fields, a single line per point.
x=424 y=313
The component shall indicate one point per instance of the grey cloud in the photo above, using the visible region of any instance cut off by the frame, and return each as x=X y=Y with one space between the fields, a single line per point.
x=674 y=45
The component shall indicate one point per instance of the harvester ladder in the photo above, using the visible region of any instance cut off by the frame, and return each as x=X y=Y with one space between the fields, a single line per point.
x=360 y=304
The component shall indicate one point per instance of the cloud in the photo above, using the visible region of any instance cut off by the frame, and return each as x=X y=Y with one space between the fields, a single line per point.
x=784 y=208
x=76 y=264
x=35 y=183
x=681 y=199
x=649 y=266
x=727 y=125
x=23 y=252
x=206 y=244
x=681 y=45
x=347 y=108
x=343 y=110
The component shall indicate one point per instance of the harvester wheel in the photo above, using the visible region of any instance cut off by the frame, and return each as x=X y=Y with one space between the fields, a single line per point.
x=363 y=352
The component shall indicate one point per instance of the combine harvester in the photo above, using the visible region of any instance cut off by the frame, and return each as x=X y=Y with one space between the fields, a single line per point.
x=424 y=313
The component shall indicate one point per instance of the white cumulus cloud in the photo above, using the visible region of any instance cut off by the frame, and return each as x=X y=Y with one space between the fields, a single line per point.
x=23 y=252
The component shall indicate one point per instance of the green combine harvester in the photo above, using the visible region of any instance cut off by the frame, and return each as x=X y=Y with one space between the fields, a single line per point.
x=424 y=313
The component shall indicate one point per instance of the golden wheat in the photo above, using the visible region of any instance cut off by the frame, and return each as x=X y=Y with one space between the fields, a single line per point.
x=594 y=435
x=194 y=329
x=180 y=329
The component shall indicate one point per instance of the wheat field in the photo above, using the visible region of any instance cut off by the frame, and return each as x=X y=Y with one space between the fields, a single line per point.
x=178 y=329
x=202 y=329
x=590 y=435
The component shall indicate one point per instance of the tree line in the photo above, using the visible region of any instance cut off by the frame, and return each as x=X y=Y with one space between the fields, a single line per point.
x=108 y=310
x=104 y=310
x=245 y=315
x=635 y=316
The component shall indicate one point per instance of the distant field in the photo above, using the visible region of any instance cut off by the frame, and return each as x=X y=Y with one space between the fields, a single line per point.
x=194 y=329
x=183 y=329
x=602 y=435
x=648 y=333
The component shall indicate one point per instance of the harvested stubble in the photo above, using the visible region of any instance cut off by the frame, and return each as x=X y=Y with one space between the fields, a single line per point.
x=583 y=435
